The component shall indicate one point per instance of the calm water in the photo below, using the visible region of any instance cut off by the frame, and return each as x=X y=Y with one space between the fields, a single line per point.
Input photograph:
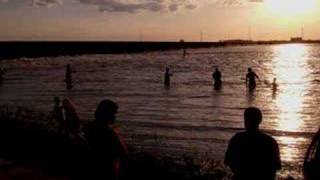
x=190 y=118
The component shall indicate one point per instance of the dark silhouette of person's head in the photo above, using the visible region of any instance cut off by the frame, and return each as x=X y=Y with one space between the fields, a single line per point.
x=167 y=69
x=66 y=103
x=252 y=118
x=249 y=69
x=105 y=112
x=56 y=100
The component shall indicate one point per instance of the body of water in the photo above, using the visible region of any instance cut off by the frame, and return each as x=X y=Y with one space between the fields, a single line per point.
x=190 y=117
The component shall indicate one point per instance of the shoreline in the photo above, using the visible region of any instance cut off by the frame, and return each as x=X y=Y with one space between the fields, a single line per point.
x=35 y=49
x=37 y=150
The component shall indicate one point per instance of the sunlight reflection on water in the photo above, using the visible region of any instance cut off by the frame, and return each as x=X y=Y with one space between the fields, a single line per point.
x=291 y=96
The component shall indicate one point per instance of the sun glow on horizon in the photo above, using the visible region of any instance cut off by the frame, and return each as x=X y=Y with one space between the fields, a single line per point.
x=290 y=7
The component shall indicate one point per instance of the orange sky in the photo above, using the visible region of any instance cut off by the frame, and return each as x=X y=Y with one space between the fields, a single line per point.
x=167 y=20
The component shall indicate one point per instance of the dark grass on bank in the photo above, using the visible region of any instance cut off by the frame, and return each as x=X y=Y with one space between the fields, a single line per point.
x=38 y=143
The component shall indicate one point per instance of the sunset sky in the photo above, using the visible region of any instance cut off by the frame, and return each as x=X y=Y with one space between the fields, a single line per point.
x=158 y=20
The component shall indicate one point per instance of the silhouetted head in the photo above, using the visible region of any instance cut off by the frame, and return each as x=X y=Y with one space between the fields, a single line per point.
x=252 y=118
x=105 y=112
x=217 y=69
x=249 y=69
x=274 y=80
x=167 y=69
x=68 y=105
x=56 y=100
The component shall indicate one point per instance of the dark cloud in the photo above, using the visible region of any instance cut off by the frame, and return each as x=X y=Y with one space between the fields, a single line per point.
x=140 y=5
x=46 y=3
x=42 y=3
x=132 y=6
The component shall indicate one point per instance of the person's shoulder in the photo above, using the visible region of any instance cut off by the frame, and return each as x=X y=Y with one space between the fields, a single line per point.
x=268 y=138
x=238 y=136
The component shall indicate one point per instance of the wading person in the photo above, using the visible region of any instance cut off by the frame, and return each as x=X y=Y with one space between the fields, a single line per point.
x=251 y=154
x=216 y=76
x=251 y=79
x=167 y=76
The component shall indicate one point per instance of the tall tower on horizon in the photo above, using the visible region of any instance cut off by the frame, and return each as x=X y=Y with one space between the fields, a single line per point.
x=140 y=36
x=249 y=34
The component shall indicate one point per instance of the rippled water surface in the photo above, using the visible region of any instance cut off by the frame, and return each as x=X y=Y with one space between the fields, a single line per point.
x=190 y=117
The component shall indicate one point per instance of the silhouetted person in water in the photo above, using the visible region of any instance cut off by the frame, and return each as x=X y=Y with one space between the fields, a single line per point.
x=274 y=85
x=253 y=155
x=167 y=77
x=68 y=78
x=251 y=79
x=57 y=113
x=71 y=117
x=109 y=153
x=184 y=53
x=216 y=76
x=311 y=163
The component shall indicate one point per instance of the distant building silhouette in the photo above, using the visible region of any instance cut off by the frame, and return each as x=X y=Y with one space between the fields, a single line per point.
x=296 y=39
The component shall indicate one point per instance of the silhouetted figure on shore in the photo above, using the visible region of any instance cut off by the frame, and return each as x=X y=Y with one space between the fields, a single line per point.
x=216 y=76
x=311 y=163
x=2 y=72
x=251 y=79
x=57 y=113
x=109 y=153
x=71 y=117
x=167 y=76
x=253 y=155
x=68 y=78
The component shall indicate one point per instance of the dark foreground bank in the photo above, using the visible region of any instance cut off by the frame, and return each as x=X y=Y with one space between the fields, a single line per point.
x=37 y=145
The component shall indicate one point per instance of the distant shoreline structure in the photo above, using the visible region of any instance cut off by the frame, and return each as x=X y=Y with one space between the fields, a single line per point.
x=33 y=49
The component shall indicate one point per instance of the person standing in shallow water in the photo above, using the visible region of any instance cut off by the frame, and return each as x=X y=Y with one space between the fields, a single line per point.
x=216 y=76
x=251 y=79
x=253 y=155
x=167 y=76
x=68 y=77
x=108 y=150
